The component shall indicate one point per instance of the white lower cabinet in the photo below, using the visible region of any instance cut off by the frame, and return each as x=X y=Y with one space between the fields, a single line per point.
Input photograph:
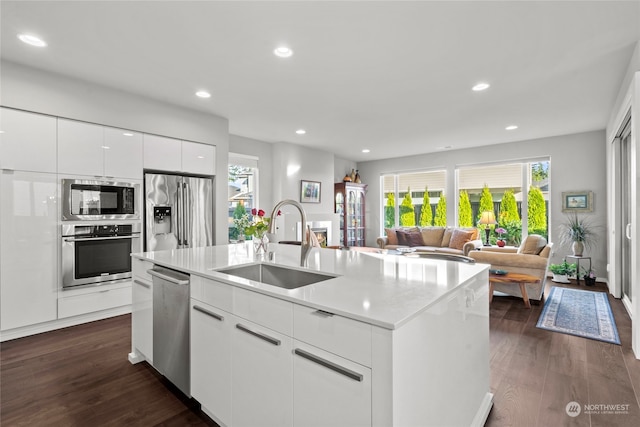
x=28 y=249
x=329 y=390
x=211 y=343
x=262 y=392
x=76 y=302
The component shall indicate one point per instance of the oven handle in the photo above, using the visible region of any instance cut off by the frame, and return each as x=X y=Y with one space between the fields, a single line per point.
x=84 y=239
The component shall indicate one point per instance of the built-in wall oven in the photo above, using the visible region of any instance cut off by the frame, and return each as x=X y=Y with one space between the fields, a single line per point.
x=97 y=254
x=99 y=200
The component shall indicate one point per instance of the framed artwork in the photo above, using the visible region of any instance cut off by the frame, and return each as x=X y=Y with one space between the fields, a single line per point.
x=577 y=201
x=309 y=191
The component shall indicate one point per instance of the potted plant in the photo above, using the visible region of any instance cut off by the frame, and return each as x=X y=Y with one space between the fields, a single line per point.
x=579 y=232
x=589 y=277
x=561 y=272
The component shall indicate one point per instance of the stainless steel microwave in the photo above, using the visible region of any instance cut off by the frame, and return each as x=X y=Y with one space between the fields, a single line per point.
x=99 y=200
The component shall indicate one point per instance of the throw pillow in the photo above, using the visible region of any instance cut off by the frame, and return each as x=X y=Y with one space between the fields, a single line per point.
x=459 y=238
x=409 y=238
x=432 y=236
x=392 y=237
x=532 y=245
x=446 y=237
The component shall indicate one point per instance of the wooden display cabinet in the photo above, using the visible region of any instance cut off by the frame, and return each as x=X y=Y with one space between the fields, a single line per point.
x=349 y=199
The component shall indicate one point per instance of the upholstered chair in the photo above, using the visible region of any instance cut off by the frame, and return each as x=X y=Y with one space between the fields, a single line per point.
x=532 y=258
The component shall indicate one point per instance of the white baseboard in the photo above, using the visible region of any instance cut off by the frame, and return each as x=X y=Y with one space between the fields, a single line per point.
x=25 y=331
x=483 y=412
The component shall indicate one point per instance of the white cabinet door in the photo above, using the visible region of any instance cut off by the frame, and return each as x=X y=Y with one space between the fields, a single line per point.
x=162 y=153
x=262 y=377
x=80 y=148
x=28 y=248
x=27 y=141
x=329 y=390
x=122 y=153
x=211 y=345
x=199 y=159
x=142 y=317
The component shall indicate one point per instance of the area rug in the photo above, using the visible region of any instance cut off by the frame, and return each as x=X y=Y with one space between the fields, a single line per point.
x=582 y=313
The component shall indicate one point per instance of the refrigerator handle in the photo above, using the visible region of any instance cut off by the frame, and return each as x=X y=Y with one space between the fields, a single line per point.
x=186 y=212
x=179 y=206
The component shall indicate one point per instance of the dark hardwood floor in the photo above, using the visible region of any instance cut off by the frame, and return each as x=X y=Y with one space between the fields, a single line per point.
x=80 y=376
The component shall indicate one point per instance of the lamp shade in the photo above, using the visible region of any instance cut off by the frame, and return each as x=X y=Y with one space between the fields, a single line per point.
x=487 y=218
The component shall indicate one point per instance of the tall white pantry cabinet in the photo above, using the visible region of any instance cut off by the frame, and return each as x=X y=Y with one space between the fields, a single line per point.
x=28 y=219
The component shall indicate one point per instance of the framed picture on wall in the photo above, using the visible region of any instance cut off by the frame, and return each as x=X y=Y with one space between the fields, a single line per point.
x=309 y=191
x=577 y=201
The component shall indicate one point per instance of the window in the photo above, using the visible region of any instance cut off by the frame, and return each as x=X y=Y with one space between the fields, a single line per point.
x=517 y=193
x=243 y=184
x=414 y=199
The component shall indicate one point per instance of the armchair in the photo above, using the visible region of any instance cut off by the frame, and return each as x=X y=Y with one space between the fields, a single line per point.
x=532 y=257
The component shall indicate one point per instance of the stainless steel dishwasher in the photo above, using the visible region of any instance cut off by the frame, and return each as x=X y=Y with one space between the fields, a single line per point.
x=171 y=326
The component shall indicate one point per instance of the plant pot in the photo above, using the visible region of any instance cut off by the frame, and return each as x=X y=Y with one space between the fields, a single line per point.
x=500 y=243
x=560 y=278
x=589 y=281
x=577 y=248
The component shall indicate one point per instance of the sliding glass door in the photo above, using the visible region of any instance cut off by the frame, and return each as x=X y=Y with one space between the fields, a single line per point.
x=624 y=163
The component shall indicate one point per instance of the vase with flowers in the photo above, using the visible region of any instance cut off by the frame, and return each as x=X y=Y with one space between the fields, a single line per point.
x=257 y=229
x=500 y=242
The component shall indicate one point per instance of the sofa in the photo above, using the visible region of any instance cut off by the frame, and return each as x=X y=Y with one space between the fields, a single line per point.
x=532 y=257
x=448 y=240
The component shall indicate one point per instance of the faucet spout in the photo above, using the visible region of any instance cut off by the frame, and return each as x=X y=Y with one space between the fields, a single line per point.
x=305 y=245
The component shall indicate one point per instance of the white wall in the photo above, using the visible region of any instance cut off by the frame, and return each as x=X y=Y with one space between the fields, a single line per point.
x=34 y=90
x=264 y=152
x=628 y=98
x=577 y=163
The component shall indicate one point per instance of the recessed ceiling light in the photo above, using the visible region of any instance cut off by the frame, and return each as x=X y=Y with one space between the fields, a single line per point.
x=301 y=131
x=106 y=147
x=203 y=94
x=480 y=86
x=201 y=157
x=511 y=127
x=283 y=52
x=127 y=134
x=366 y=150
x=32 y=40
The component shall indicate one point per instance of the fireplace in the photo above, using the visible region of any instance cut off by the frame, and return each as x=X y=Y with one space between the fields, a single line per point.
x=322 y=234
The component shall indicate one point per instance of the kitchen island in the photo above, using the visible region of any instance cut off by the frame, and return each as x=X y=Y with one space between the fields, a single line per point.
x=381 y=340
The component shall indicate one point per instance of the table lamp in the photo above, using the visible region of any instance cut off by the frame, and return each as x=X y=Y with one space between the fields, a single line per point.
x=487 y=218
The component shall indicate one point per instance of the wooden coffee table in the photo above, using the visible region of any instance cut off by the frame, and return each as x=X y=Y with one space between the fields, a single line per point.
x=515 y=278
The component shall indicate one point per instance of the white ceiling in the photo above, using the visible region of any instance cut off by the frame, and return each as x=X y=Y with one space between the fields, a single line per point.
x=391 y=76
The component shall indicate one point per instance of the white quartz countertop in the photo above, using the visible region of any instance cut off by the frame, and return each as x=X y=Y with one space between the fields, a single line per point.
x=380 y=289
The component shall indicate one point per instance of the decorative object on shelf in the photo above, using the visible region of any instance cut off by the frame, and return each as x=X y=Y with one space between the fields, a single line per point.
x=358 y=180
x=579 y=232
x=347 y=178
x=577 y=201
x=353 y=175
x=561 y=272
x=500 y=242
x=309 y=191
x=487 y=218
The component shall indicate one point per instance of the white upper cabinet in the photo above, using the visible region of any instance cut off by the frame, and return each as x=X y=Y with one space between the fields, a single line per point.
x=27 y=141
x=162 y=153
x=80 y=148
x=173 y=155
x=122 y=153
x=198 y=159
x=88 y=149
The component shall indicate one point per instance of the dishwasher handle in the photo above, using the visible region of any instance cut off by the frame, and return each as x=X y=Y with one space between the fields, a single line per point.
x=169 y=278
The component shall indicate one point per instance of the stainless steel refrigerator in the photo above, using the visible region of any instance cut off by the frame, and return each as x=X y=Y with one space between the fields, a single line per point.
x=178 y=211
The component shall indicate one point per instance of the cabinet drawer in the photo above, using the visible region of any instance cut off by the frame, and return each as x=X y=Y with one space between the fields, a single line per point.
x=139 y=269
x=217 y=294
x=348 y=338
x=95 y=301
x=267 y=311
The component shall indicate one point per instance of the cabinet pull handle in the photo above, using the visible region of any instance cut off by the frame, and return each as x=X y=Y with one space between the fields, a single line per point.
x=327 y=364
x=171 y=279
x=323 y=313
x=142 y=283
x=260 y=335
x=208 y=313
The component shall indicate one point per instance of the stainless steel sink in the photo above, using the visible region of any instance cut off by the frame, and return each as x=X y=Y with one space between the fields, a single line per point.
x=283 y=277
